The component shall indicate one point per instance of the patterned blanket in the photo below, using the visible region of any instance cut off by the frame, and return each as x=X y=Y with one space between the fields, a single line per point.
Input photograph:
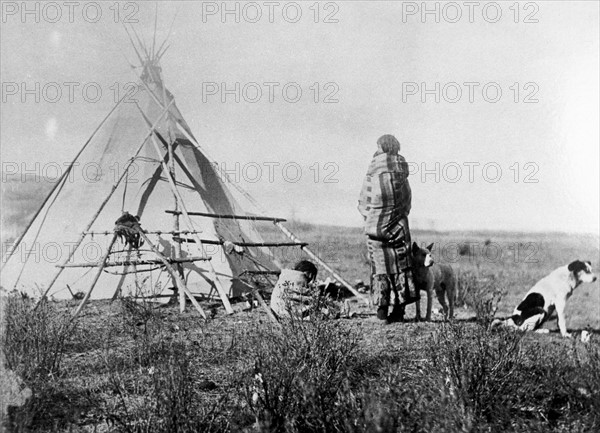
x=385 y=203
x=385 y=197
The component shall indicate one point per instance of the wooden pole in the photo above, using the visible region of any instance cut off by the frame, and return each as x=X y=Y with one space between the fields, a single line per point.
x=243 y=244
x=212 y=273
x=62 y=178
x=281 y=226
x=293 y=237
x=261 y=209
x=180 y=283
x=233 y=217
x=95 y=216
x=176 y=245
x=148 y=232
x=100 y=269
x=122 y=279
x=262 y=303
x=131 y=263
x=267 y=308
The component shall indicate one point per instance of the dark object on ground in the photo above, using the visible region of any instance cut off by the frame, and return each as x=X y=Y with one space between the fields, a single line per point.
x=207 y=385
x=335 y=290
x=382 y=313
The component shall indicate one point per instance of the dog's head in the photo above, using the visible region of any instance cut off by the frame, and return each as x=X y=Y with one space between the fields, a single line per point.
x=582 y=271
x=421 y=257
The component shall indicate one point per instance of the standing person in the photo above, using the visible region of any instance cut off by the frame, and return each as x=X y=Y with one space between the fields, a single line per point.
x=384 y=203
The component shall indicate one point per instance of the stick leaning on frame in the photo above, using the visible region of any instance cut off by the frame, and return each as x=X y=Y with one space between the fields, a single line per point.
x=104 y=202
x=180 y=283
x=172 y=185
x=280 y=226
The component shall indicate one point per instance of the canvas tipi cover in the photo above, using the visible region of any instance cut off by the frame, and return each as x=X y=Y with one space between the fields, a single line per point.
x=81 y=207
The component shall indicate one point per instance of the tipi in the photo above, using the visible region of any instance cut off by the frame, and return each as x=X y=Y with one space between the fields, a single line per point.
x=197 y=236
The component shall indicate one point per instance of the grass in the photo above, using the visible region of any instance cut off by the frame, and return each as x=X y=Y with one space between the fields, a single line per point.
x=134 y=367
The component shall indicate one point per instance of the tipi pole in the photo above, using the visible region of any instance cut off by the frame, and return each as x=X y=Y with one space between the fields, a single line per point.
x=60 y=180
x=293 y=237
x=100 y=269
x=188 y=220
x=122 y=279
x=213 y=274
x=180 y=283
x=162 y=104
x=113 y=189
x=177 y=245
x=262 y=303
x=232 y=217
x=261 y=209
x=266 y=307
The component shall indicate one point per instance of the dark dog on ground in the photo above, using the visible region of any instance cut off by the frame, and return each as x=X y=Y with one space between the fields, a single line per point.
x=429 y=277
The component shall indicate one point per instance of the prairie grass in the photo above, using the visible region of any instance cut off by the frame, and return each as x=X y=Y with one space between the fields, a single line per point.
x=317 y=375
x=482 y=294
x=34 y=345
x=132 y=366
x=300 y=375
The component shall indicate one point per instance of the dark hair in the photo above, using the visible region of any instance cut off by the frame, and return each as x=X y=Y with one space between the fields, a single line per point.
x=308 y=267
x=388 y=144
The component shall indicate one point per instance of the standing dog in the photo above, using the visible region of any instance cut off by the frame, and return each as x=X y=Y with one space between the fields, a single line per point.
x=431 y=277
x=549 y=294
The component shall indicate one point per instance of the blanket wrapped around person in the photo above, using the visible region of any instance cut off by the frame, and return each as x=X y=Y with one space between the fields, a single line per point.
x=384 y=203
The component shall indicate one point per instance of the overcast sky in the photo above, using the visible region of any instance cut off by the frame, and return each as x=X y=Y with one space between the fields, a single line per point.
x=511 y=144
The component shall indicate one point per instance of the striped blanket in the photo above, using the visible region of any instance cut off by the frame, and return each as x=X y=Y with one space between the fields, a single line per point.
x=384 y=203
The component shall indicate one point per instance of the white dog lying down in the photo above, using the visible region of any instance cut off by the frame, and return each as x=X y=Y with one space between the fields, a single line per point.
x=549 y=294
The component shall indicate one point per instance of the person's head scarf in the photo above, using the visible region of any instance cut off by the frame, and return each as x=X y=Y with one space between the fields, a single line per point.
x=388 y=144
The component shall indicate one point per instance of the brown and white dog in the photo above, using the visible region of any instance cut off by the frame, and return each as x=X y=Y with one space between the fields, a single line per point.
x=547 y=295
x=431 y=277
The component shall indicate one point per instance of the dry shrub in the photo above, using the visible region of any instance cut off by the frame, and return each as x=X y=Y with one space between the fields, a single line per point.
x=481 y=293
x=588 y=361
x=164 y=397
x=467 y=379
x=144 y=322
x=154 y=380
x=574 y=397
x=314 y=376
x=34 y=344
x=300 y=376
x=479 y=370
x=35 y=339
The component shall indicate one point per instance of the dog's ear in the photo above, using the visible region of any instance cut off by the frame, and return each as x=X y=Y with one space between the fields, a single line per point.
x=576 y=266
x=415 y=247
x=430 y=247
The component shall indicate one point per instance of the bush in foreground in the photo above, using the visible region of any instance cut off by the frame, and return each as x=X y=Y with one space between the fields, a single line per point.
x=149 y=375
x=34 y=344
